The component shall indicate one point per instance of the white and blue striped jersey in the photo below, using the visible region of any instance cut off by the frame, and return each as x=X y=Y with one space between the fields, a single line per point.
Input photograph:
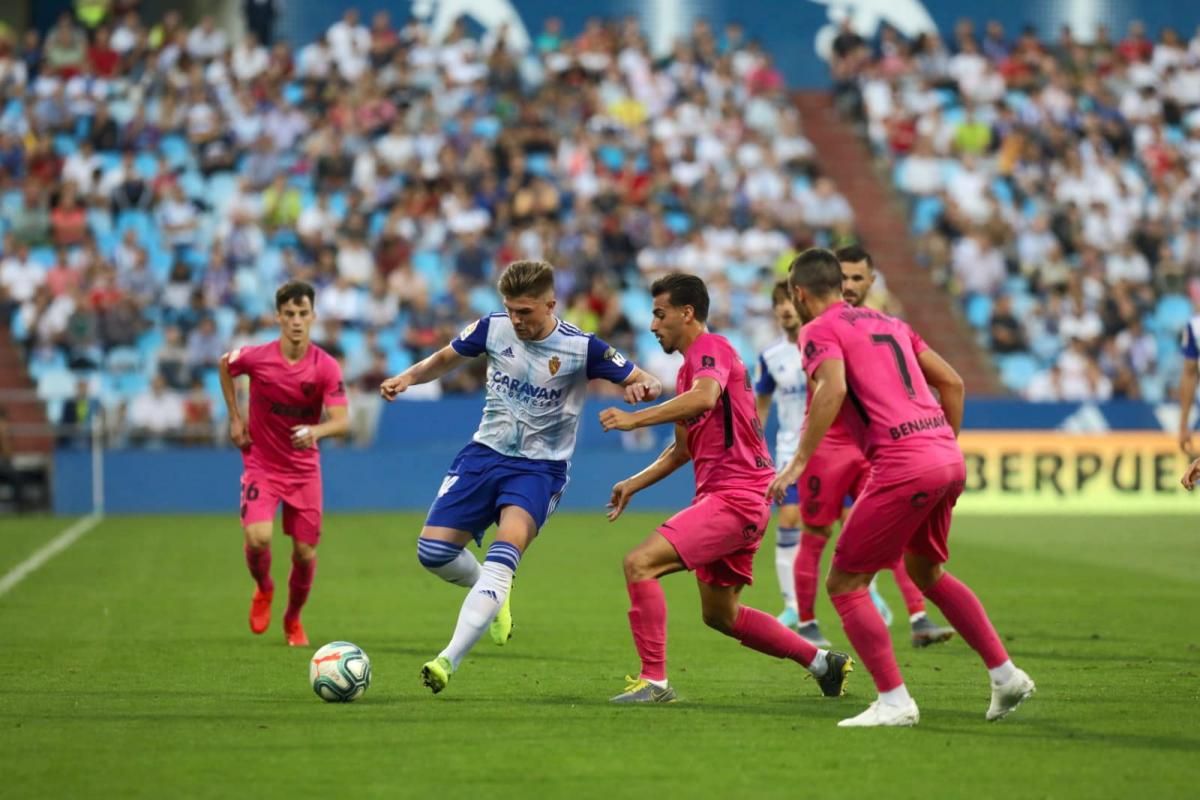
x=1189 y=344
x=535 y=390
x=781 y=375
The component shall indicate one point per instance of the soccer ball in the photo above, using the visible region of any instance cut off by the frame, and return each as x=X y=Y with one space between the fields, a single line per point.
x=339 y=672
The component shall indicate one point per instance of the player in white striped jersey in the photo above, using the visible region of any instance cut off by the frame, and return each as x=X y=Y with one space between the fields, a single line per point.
x=1189 y=347
x=781 y=380
x=515 y=469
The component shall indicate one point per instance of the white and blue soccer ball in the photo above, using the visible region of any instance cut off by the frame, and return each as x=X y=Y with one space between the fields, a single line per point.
x=340 y=672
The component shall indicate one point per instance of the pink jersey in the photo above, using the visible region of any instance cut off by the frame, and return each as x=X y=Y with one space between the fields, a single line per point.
x=727 y=445
x=898 y=422
x=841 y=435
x=284 y=395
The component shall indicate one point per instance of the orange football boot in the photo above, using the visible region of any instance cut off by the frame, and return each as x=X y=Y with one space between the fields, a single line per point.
x=294 y=631
x=260 y=611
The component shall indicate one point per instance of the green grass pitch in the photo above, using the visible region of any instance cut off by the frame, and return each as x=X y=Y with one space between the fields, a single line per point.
x=129 y=671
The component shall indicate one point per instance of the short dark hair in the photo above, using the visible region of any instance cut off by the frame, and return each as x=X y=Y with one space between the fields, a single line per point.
x=294 y=291
x=526 y=279
x=683 y=290
x=816 y=270
x=853 y=253
x=781 y=293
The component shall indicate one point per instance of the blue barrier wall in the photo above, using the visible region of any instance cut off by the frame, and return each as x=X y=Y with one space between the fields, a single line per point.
x=418 y=440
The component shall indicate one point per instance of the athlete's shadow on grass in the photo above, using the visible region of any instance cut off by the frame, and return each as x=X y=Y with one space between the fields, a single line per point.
x=483 y=651
x=1024 y=656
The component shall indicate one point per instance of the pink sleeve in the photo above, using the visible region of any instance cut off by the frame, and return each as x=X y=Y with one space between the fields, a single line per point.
x=820 y=345
x=918 y=344
x=335 y=387
x=243 y=360
x=707 y=360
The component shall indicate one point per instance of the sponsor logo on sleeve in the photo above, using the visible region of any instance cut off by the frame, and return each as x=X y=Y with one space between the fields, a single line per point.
x=616 y=358
x=467 y=331
x=708 y=362
x=309 y=388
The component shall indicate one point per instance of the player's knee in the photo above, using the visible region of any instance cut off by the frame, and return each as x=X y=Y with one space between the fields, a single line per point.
x=258 y=537
x=433 y=553
x=303 y=551
x=719 y=619
x=824 y=531
x=838 y=582
x=923 y=572
x=638 y=567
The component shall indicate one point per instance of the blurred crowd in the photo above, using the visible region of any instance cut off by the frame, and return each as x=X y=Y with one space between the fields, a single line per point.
x=1054 y=188
x=158 y=179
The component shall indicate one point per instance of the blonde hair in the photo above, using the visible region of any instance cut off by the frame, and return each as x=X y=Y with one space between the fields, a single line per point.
x=526 y=279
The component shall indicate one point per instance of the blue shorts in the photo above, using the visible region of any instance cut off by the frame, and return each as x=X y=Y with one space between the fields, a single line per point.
x=481 y=482
x=792 y=496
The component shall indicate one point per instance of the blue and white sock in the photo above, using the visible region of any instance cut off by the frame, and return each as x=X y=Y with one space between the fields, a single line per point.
x=449 y=561
x=483 y=601
x=786 y=541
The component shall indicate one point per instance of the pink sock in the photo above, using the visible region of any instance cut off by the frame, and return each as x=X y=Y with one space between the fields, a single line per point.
x=648 y=621
x=866 y=631
x=299 y=585
x=259 y=562
x=964 y=611
x=806 y=570
x=913 y=599
x=762 y=632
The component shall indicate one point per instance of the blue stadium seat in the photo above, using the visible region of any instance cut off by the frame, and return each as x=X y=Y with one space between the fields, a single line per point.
x=1154 y=388
x=678 y=222
x=1172 y=313
x=486 y=127
x=979 y=311
x=899 y=170
x=148 y=344
x=484 y=300
x=42 y=256
x=539 y=164
x=175 y=149
x=925 y=214
x=192 y=183
x=742 y=275
x=293 y=93
x=65 y=144
x=1017 y=370
x=43 y=361
x=146 y=165
x=124 y=359
x=399 y=360
x=1046 y=347
x=56 y=385
x=225 y=319
x=638 y=307
x=351 y=341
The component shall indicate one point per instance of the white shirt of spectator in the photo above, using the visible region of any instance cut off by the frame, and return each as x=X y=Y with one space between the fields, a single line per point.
x=81 y=170
x=204 y=45
x=922 y=175
x=762 y=247
x=395 y=148
x=1127 y=265
x=340 y=302
x=1080 y=323
x=315 y=221
x=20 y=279
x=178 y=213
x=249 y=62
x=967 y=186
x=355 y=262
x=315 y=61
x=156 y=413
x=53 y=321
x=123 y=39
x=978 y=266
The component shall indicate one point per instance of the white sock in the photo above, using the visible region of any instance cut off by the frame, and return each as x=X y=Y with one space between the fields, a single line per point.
x=786 y=541
x=478 y=610
x=464 y=570
x=898 y=697
x=657 y=684
x=914 y=618
x=819 y=665
x=1003 y=673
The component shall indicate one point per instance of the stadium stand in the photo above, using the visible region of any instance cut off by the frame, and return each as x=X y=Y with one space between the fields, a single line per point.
x=159 y=181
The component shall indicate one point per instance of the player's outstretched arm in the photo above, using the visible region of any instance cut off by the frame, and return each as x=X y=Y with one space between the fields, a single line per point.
x=237 y=426
x=949 y=384
x=1187 y=398
x=424 y=371
x=828 y=393
x=762 y=404
x=702 y=397
x=641 y=387
x=672 y=458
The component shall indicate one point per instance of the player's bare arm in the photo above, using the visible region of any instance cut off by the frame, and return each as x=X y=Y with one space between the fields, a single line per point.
x=762 y=404
x=828 y=394
x=674 y=456
x=702 y=397
x=949 y=384
x=337 y=423
x=1187 y=394
x=641 y=387
x=238 y=433
x=428 y=369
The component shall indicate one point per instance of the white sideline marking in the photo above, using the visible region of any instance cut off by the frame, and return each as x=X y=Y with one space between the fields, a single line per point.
x=48 y=551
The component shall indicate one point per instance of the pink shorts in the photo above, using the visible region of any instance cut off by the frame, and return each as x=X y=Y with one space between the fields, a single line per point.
x=718 y=535
x=831 y=475
x=908 y=516
x=262 y=493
